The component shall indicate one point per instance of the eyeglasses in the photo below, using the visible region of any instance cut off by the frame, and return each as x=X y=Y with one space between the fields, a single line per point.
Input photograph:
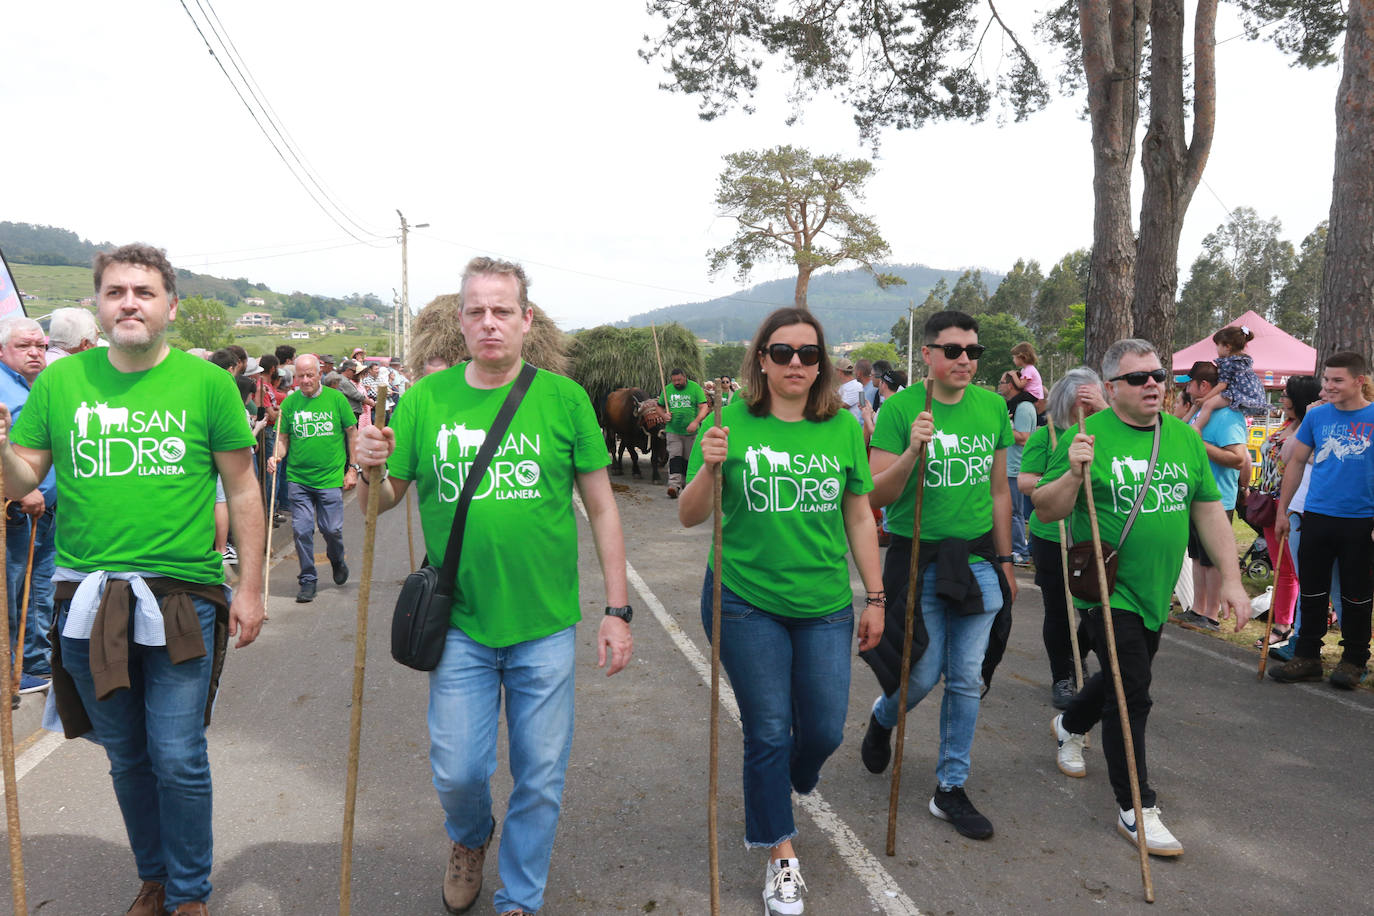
x=952 y=351
x=782 y=353
x=1136 y=379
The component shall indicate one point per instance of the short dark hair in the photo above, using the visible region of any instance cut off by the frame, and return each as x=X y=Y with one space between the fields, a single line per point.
x=676 y=371
x=246 y=386
x=285 y=354
x=1203 y=371
x=141 y=256
x=880 y=366
x=948 y=319
x=1303 y=391
x=1347 y=359
x=224 y=358
x=239 y=353
x=268 y=362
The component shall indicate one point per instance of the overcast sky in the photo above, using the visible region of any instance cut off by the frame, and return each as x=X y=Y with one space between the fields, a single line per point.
x=531 y=129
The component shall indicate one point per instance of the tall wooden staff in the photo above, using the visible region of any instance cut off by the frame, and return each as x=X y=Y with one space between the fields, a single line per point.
x=374 y=495
x=17 y=895
x=1269 y=623
x=271 y=510
x=1140 y=841
x=911 y=598
x=1064 y=574
x=24 y=604
x=717 y=539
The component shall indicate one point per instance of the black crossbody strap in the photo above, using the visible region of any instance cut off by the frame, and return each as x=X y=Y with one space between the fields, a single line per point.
x=478 y=470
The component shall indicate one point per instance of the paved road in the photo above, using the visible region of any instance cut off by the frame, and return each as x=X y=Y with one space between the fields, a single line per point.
x=1267 y=786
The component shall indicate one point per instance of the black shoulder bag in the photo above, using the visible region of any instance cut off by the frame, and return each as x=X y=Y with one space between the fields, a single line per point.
x=420 y=623
x=1083 y=583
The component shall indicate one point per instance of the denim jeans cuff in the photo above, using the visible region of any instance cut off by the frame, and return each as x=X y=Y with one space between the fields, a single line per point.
x=750 y=844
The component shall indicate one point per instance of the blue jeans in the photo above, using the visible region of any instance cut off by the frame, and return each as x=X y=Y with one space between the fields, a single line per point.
x=37 y=647
x=464 y=712
x=958 y=643
x=309 y=505
x=791 y=679
x=154 y=736
x=1020 y=511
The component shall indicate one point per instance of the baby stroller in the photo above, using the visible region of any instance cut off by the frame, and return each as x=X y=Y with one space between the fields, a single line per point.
x=1256 y=563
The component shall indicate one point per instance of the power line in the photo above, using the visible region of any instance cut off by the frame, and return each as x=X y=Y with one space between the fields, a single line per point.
x=258 y=121
x=283 y=254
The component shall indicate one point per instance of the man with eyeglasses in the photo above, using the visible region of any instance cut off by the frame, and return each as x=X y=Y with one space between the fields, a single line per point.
x=687 y=407
x=966 y=578
x=1224 y=437
x=1117 y=447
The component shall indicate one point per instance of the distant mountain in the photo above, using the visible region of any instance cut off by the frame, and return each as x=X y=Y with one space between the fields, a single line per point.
x=26 y=243
x=848 y=303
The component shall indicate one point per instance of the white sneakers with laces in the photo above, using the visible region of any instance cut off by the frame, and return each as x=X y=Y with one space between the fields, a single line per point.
x=1158 y=840
x=1070 y=749
x=783 y=888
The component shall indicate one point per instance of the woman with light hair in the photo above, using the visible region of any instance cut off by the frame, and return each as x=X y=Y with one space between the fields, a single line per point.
x=70 y=330
x=1079 y=388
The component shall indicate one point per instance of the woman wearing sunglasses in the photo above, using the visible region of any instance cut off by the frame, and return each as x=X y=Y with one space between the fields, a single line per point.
x=795 y=481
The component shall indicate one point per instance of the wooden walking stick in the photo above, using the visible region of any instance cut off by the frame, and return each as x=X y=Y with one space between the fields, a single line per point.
x=1064 y=574
x=355 y=731
x=24 y=604
x=271 y=512
x=1141 y=842
x=1269 y=623
x=717 y=539
x=17 y=895
x=907 y=637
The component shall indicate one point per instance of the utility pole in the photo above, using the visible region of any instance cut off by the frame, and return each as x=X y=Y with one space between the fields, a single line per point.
x=405 y=288
x=910 y=340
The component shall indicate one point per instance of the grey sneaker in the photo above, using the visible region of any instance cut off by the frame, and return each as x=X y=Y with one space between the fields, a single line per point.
x=1347 y=675
x=463 y=876
x=783 y=889
x=1192 y=620
x=1062 y=693
x=1070 y=750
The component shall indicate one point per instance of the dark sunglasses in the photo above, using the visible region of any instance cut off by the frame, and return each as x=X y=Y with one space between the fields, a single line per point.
x=952 y=351
x=1136 y=379
x=782 y=353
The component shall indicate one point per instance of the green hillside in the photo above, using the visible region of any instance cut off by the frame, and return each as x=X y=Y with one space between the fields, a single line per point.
x=848 y=303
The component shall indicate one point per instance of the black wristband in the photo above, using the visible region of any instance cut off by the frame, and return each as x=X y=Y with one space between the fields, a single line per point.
x=1005 y=559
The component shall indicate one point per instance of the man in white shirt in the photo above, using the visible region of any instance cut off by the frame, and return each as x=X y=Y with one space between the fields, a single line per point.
x=851 y=390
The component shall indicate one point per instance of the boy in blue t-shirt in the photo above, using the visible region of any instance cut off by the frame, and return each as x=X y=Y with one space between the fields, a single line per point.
x=1337 y=523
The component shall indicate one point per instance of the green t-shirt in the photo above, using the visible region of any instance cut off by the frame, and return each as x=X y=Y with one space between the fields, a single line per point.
x=1035 y=457
x=968 y=435
x=517 y=576
x=783 y=536
x=1149 y=562
x=317 y=447
x=134 y=455
x=682 y=405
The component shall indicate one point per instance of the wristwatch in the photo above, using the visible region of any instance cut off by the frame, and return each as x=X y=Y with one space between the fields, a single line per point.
x=624 y=613
x=357 y=468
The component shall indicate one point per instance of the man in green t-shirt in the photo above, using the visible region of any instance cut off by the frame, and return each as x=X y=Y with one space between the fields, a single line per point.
x=516 y=595
x=137 y=432
x=687 y=407
x=317 y=429
x=965 y=525
x=1117 y=446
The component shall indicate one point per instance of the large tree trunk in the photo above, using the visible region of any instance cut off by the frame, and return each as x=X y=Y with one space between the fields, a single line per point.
x=803 y=284
x=1346 y=321
x=1172 y=167
x=1113 y=32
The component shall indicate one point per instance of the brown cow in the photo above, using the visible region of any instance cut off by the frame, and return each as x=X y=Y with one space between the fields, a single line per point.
x=637 y=419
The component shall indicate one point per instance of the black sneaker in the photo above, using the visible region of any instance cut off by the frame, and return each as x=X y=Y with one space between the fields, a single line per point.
x=1061 y=694
x=1347 y=675
x=876 y=751
x=954 y=806
x=1298 y=669
x=1192 y=620
x=340 y=572
x=307 y=592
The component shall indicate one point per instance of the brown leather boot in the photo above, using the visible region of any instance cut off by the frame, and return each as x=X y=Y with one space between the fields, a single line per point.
x=150 y=899
x=192 y=908
x=463 y=876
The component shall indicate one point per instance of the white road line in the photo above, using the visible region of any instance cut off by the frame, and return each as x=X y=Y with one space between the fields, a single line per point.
x=34 y=756
x=1324 y=693
x=882 y=889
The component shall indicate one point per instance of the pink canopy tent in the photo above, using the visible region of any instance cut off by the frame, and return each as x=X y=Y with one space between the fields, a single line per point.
x=1277 y=354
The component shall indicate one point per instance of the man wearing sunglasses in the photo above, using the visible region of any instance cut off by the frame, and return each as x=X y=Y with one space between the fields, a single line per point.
x=1115 y=451
x=1224 y=437
x=687 y=407
x=966 y=578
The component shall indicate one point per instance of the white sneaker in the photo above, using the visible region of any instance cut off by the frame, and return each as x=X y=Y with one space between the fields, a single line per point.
x=783 y=889
x=1070 y=749
x=231 y=556
x=1158 y=840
